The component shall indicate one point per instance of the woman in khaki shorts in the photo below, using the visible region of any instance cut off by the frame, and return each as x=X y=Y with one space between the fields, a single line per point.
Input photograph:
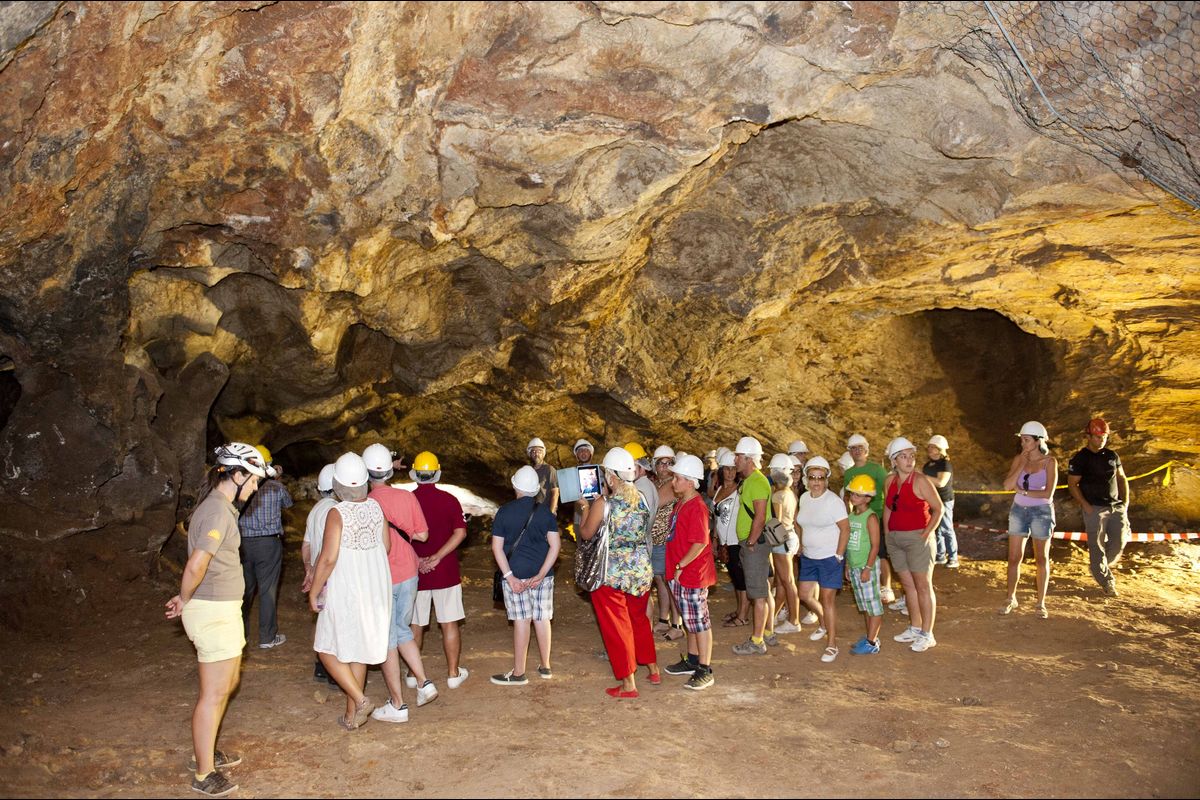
x=911 y=512
x=210 y=602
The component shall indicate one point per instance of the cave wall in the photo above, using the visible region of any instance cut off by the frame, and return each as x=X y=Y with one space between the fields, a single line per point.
x=454 y=226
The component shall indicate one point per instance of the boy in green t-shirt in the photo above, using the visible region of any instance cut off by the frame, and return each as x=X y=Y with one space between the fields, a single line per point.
x=862 y=560
x=859 y=450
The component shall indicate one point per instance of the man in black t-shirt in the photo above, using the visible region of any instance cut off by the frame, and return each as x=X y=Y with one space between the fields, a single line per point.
x=1096 y=479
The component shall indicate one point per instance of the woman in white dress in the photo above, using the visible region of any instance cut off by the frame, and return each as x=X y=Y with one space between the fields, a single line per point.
x=352 y=589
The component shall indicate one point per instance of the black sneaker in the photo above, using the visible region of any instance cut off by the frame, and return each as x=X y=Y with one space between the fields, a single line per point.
x=545 y=673
x=680 y=667
x=214 y=785
x=220 y=760
x=701 y=679
x=508 y=679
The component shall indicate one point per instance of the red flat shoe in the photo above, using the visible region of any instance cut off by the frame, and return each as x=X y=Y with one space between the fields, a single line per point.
x=656 y=678
x=615 y=691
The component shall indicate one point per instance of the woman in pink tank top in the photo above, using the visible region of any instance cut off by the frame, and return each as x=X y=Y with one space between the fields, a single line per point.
x=1031 y=477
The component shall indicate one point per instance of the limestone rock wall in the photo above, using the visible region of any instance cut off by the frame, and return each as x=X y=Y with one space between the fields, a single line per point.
x=455 y=226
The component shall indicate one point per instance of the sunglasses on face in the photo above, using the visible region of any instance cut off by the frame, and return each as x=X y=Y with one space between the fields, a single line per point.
x=817 y=477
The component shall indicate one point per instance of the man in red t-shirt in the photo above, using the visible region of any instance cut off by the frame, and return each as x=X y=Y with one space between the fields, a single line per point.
x=690 y=570
x=439 y=588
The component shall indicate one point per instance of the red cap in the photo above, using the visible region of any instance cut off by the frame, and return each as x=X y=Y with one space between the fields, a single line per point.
x=1098 y=427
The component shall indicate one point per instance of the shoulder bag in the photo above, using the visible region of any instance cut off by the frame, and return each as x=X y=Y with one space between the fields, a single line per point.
x=774 y=531
x=497 y=576
x=591 y=558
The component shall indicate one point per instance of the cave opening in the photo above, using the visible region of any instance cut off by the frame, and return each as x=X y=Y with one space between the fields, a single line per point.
x=10 y=390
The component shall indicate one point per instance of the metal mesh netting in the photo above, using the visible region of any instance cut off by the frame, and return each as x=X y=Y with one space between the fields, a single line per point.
x=1118 y=80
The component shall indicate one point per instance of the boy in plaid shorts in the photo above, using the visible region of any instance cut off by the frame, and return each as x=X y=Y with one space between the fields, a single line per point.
x=862 y=561
x=690 y=570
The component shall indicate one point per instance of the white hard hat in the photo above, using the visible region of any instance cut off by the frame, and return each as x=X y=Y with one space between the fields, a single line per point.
x=620 y=461
x=782 y=462
x=378 y=458
x=721 y=451
x=797 y=462
x=899 y=445
x=535 y=442
x=579 y=444
x=350 y=470
x=240 y=454
x=325 y=479
x=526 y=480
x=748 y=446
x=940 y=441
x=856 y=440
x=797 y=447
x=689 y=467
x=663 y=451
x=816 y=462
x=726 y=460
x=845 y=461
x=1032 y=428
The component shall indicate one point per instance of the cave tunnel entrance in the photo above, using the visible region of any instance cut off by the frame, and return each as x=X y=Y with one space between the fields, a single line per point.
x=10 y=390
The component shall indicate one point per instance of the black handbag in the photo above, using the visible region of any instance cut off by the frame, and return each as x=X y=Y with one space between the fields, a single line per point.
x=591 y=558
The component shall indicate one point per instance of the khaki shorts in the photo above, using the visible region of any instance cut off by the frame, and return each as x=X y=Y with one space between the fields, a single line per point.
x=215 y=628
x=446 y=604
x=911 y=552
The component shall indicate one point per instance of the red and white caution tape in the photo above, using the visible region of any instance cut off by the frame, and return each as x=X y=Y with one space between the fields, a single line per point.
x=1079 y=536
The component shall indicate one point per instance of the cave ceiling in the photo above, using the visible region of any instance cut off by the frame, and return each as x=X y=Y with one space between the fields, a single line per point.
x=456 y=226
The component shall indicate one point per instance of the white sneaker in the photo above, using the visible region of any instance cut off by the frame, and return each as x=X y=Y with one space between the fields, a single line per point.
x=924 y=642
x=410 y=681
x=900 y=605
x=454 y=683
x=389 y=713
x=817 y=635
x=809 y=619
x=786 y=627
x=782 y=615
x=427 y=693
x=909 y=634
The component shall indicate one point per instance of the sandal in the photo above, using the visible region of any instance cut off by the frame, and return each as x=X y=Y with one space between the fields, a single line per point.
x=345 y=724
x=730 y=617
x=736 y=622
x=830 y=654
x=662 y=626
x=1009 y=607
x=363 y=712
x=1041 y=612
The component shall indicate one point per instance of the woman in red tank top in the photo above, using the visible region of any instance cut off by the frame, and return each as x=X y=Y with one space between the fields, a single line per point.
x=911 y=512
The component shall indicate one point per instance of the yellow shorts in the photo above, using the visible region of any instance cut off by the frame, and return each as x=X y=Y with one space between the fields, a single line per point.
x=215 y=628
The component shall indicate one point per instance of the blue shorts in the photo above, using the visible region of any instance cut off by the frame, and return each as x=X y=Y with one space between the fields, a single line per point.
x=658 y=560
x=404 y=597
x=825 y=572
x=1035 y=521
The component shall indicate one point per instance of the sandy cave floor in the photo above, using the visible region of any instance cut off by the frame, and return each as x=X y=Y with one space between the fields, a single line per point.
x=1098 y=700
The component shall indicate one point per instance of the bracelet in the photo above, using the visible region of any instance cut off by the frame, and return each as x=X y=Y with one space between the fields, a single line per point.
x=505 y=575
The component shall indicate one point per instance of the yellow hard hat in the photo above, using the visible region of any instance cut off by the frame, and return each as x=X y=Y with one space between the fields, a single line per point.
x=862 y=484
x=636 y=450
x=264 y=452
x=426 y=462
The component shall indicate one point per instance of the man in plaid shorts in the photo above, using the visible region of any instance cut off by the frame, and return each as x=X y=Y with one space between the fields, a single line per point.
x=862 y=561
x=525 y=543
x=690 y=571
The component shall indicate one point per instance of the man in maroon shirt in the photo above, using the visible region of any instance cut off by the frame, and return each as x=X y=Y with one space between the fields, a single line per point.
x=439 y=584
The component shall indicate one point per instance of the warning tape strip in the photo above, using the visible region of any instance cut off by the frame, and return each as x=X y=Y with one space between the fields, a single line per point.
x=1078 y=536
x=1166 y=479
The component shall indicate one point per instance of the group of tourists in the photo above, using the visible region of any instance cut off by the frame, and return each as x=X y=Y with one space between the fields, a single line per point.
x=381 y=562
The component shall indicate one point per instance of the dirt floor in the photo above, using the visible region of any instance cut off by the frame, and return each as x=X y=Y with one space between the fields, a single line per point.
x=1098 y=700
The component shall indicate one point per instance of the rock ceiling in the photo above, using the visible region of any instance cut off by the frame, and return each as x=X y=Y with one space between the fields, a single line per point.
x=455 y=226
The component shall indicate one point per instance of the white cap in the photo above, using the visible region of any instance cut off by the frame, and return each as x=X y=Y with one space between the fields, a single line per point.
x=845 y=461
x=663 y=451
x=726 y=460
x=620 y=461
x=378 y=458
x=1032 y=428
x=816 y=462
x=748 y=446
x=535 y=442
x=526 y=480
x=797 y=447
x=325 y=479
x=856 y=440
x=940 y=441
x=899 y=445
x=689 y=467
x=350 y=470
x=781 y=462
x=579 y=444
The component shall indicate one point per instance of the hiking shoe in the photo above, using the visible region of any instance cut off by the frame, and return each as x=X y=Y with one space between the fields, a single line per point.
x=771 y=640
x=545 y=673
x=817 y=635
x=426 y=693
x=278 y=640
x=680 y=667
x=454 y=683
x=787 y=627
x=701 y=679
x=864 y=647
x=215 y=784
x=952 y=564
x=220 y=760
x=908 y=635
x=923 y=642
x=749 y=648
x=508 y=679
x=389 y=713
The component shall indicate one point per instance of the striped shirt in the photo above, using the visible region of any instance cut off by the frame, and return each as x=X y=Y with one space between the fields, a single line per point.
x=264 y=515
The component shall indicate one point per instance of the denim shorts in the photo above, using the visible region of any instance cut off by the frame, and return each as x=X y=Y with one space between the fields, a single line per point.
x=658 y=560
x=404 y=596
x=825 y=572
x=790 y=548
x=1035 y=521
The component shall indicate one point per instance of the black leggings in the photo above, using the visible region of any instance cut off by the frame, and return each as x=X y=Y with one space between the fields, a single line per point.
x=733 y=563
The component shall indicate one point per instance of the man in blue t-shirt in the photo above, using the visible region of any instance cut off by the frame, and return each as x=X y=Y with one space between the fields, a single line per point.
x=525 y=543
